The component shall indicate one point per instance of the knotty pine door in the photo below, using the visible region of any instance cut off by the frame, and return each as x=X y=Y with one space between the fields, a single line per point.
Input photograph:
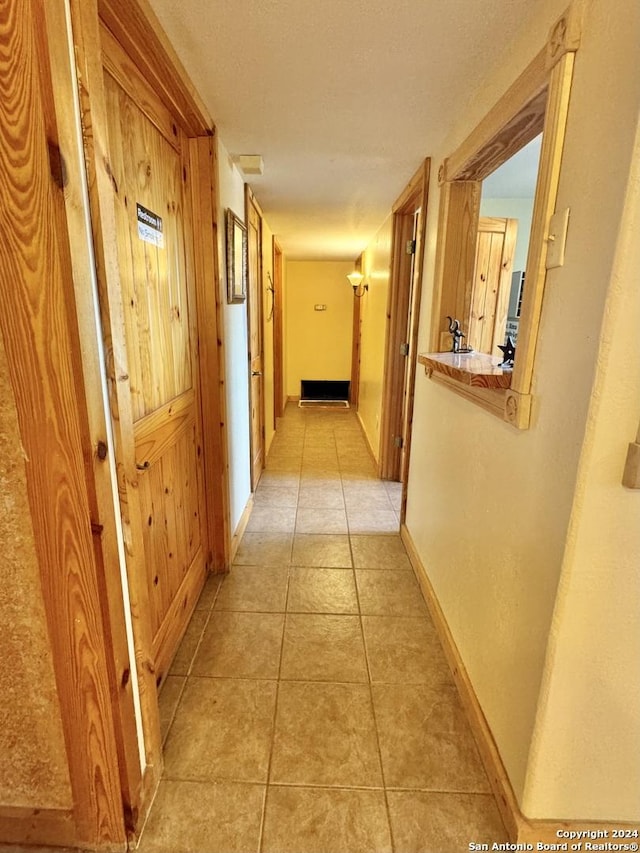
x=149 y=164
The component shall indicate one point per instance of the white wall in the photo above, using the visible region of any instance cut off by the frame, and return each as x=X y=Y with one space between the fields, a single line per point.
x=489 y=506
x=587 y=734
x=231 y=194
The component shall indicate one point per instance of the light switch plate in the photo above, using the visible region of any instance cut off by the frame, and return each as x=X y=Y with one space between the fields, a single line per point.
x=319 y=307
x=557 y=238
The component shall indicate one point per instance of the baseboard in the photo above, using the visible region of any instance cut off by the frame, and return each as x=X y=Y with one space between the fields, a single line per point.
x=293 y=398
x=27 y=826
x=521 y=830
x=242 y=525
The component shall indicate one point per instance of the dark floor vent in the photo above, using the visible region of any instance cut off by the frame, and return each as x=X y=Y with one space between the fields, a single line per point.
x=327 y=392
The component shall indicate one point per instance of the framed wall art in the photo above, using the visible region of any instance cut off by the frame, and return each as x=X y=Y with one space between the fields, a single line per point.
x=236 y=258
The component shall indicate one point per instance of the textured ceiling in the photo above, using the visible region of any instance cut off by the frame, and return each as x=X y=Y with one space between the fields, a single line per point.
x=342 y=98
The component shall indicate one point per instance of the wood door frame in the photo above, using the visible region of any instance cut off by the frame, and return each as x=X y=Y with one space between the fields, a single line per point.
x=356 y=331
x=250 y=201
x=278 y=378
x=394 y=461
x=135 y=27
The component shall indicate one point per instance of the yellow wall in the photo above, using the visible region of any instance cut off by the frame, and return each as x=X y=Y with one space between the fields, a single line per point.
x=317 y=343
x=376 y=264
x=489 y=507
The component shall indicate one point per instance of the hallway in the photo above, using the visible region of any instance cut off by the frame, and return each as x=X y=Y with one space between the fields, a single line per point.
x=310 y=707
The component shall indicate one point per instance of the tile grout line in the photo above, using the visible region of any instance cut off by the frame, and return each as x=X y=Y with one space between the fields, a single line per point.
x=373 y=709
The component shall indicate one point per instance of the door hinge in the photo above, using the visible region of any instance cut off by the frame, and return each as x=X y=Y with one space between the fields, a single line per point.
x=404 y=349
x=411 y=247
x=263 y=433
x=397 y=441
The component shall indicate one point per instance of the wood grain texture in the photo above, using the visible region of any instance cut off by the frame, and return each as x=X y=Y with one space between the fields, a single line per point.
x=478 y=369
x=204 y=188
x=42 y=355
x=84 y=16
x=254 y=319
x=31 y=826
x=356 y=338
x=545 y=202
x=278 y=338
x=136 y=28
x=99 y=477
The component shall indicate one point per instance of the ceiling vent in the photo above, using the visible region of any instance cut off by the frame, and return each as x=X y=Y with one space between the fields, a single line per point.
x=250 y=164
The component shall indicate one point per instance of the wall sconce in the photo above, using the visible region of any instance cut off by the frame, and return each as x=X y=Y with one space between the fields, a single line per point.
x=355 y=280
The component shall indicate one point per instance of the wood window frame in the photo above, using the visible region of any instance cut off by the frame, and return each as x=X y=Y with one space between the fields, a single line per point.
x=537 y=102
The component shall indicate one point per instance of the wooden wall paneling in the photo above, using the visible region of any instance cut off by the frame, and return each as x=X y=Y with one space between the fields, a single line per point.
x=204 y=188
x=86 y=35
x=100 y=480
x=545 y=202
x=37 y=326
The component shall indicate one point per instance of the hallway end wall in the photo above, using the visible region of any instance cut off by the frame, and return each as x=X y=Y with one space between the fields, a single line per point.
x=317 y=342
x=489 y=507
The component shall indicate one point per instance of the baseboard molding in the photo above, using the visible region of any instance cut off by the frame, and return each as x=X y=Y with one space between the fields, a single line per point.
x=242 y=525
x=27 y=826
x=521 y=830
x=293 y=398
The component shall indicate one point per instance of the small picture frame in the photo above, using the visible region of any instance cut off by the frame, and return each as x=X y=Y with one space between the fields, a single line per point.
x=236 y=258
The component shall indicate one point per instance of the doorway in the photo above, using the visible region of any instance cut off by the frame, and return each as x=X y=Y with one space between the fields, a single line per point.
x=403 y=309
x=255 y=335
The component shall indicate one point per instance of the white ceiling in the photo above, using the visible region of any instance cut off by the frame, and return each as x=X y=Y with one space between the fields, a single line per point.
x=342 y=98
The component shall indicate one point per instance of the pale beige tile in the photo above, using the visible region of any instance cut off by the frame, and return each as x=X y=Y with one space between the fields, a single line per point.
x=322 y=591
x=240 y=645
x=317 y=520
x=254 y=588
x=279 y=480
x=168 y=699
x=267 y=518
x=325 y=735
x=372 y=521
x=264 y=549
x=208 y=594
x=384 y=593
x=186 y=650
x=404 y=650
x=222 y=730
x=320 y=820
x=323 y=648
x=443 y=823
x=284 y=465
x=275 y=496
x=366 y=496
x=322 y=550
x=321 y=494
x=193 y=817
x=425 y=740
x=379 y=552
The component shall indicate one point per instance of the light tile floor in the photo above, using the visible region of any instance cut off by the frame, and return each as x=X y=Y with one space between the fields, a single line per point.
x=310 y=708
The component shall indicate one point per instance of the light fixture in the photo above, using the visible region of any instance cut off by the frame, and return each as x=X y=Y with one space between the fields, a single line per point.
x=250 y=164
x=355 y=280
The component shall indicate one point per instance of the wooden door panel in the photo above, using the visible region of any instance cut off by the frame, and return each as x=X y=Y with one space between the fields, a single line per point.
x=153 y=240
x=254 y=241
x=491 y=281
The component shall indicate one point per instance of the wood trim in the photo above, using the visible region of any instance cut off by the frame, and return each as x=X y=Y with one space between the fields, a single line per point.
x=544 y=206
x=356 y=335
x=86 y=33
x=466 y=161
x=251 y=205
x=136 y=28
x=520 y=828
x=204 y=185
x=366 y=439
x=242 y=526
x=100 y=483
x=46 y=384
x=490 y=399
x=31 y=826
x=177 y=616
x=278 y=340
x=455 y=254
